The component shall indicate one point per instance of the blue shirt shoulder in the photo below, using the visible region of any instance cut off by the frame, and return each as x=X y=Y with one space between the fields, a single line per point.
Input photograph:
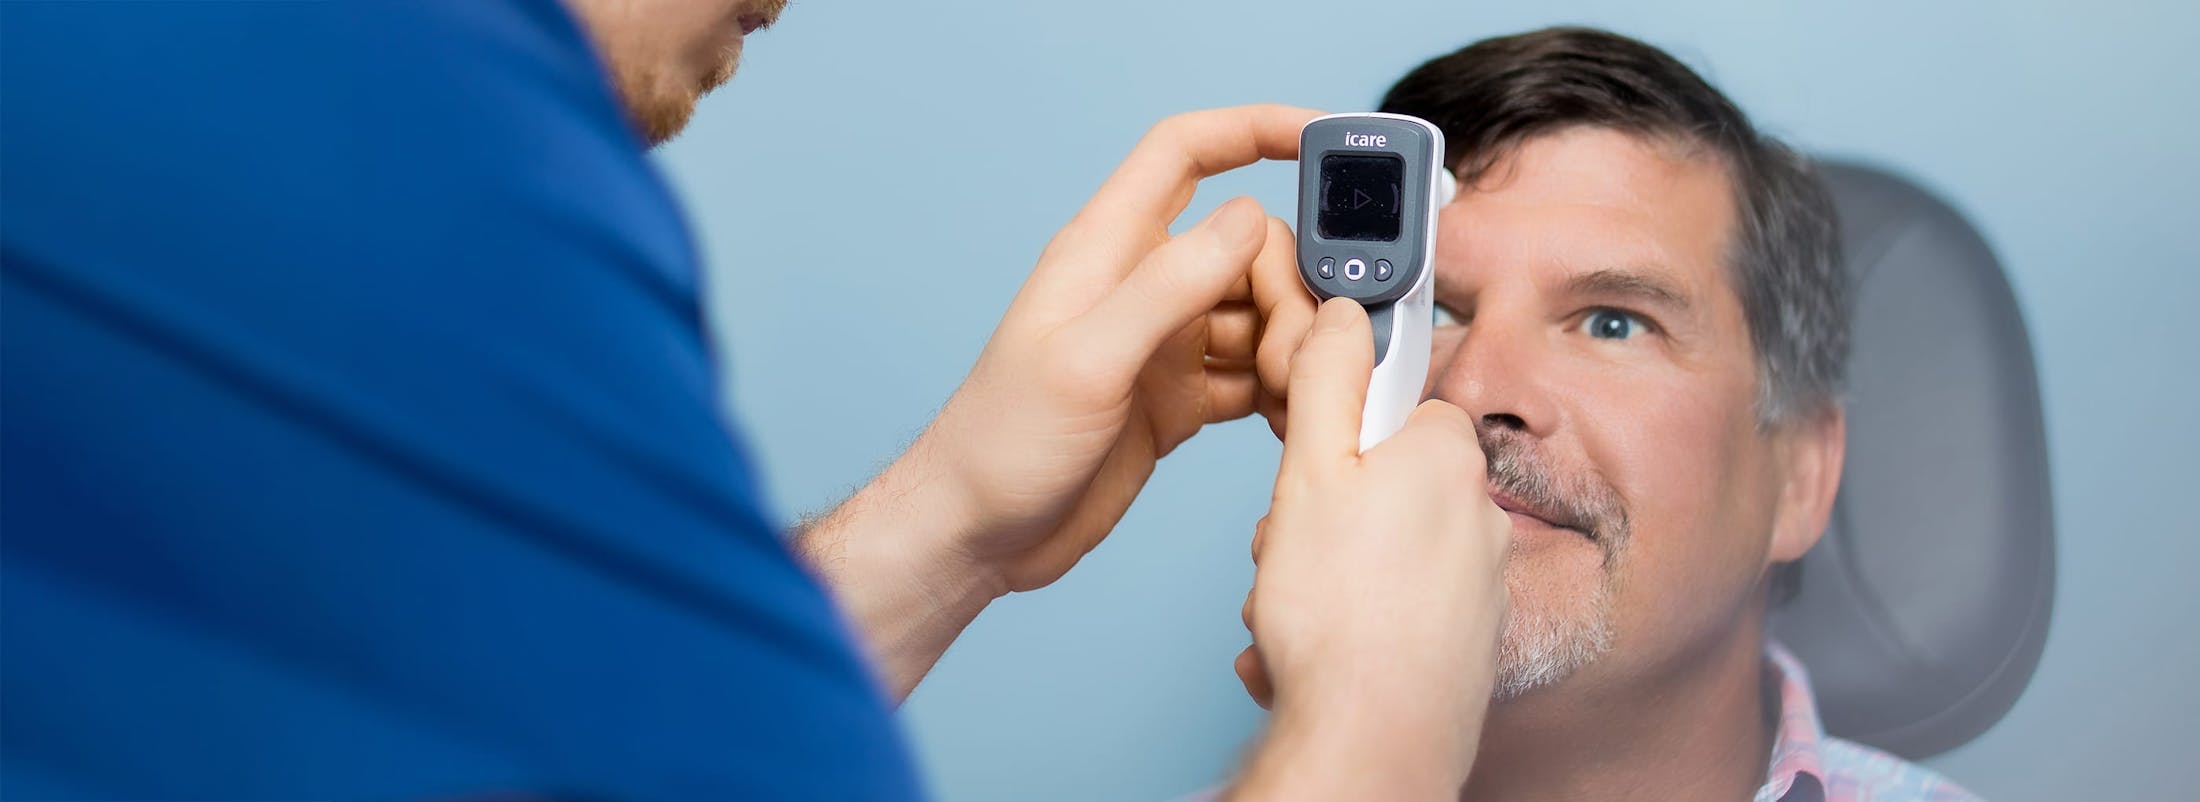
x=360 y=434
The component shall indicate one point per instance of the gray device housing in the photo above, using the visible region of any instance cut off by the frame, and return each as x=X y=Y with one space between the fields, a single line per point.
x=1420 y=149
x=1410 y=143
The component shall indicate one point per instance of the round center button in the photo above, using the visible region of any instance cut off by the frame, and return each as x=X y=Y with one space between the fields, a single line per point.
x=1354 y=269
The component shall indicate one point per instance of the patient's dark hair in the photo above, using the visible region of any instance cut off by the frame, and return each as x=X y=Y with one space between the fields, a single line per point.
x=1492 y=95
x=1497 y=93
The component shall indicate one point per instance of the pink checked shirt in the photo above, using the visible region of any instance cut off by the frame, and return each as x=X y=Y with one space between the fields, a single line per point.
x=1810 y=766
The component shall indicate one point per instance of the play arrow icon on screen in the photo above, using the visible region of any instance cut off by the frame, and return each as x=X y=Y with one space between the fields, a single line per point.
x=1360 y=199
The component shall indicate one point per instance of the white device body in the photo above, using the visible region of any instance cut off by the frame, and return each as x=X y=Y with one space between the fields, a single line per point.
x=1401 y=372
x=1395 y=388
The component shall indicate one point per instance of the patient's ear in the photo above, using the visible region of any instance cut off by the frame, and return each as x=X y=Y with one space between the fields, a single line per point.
x=1810 y=448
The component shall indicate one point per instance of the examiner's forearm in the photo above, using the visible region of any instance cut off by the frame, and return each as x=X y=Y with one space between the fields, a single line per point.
x=887 y=556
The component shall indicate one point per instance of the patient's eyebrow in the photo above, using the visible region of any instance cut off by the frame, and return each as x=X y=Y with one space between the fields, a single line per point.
x=1627 y=284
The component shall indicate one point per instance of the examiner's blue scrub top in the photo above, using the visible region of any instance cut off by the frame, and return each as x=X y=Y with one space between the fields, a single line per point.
x=360 y=437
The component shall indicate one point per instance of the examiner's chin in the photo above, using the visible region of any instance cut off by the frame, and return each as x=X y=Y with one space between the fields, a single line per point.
x=662 y=121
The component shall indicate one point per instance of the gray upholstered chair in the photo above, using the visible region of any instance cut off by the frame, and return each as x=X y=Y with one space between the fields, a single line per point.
x=1922 y=612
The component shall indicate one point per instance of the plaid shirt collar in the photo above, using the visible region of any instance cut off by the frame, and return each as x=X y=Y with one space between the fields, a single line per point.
x=1798 y=767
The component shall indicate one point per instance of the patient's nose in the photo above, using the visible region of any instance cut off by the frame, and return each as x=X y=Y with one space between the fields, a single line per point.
x=1493 y=375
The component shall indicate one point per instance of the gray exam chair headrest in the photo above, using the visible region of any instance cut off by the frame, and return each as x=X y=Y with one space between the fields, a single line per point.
x=1922 y=612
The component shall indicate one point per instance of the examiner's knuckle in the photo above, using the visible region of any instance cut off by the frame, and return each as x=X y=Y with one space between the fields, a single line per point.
x=1307 y=359
x=1456 y=423
x=1274 y=361
x=1468 y=463
x=1452 y=433
x=1175 y=127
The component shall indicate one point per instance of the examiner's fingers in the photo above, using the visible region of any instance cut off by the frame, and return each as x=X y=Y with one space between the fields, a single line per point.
x=1254 y=675
x=1274 y=410
x=1286 y=308
x=1231 y=394
x=1176 y=284
x=1132 y=211
x=1241 y=292
x=1156 y=180
x=1329 y=385
x=1233 y=333
x=1438 y=430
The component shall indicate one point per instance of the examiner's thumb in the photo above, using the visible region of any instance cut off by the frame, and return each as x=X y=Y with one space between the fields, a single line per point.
x=1329 y=376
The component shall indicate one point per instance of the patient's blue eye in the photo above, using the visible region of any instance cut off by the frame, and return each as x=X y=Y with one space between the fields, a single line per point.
x=1612 y=324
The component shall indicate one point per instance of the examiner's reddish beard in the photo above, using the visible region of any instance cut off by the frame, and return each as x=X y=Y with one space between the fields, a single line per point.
x=659 y=112
x=1547 y=638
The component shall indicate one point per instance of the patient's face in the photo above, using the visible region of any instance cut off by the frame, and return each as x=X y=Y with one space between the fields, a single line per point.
x=1599 y=342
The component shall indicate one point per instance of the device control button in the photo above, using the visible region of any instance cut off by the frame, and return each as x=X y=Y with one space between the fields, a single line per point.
x=1354 y=269
x=1382 y=270
x=1327 y=268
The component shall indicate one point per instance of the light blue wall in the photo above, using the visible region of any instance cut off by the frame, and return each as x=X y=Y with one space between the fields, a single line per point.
x=874 y=155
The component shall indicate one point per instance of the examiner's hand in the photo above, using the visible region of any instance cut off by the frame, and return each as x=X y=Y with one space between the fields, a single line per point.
x=1122 y=343
x=1379 y=592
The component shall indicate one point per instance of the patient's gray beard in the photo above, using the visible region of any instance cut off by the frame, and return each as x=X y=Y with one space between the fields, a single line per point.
x=1542 y=646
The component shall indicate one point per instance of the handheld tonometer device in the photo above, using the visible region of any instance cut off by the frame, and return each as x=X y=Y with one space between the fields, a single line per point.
x=1369 y=189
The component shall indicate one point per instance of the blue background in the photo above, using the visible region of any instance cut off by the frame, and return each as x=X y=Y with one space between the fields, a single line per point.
x=877 y=181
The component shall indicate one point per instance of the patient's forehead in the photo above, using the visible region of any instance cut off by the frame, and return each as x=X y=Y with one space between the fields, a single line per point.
x=1595 y=198
x=1590 y=161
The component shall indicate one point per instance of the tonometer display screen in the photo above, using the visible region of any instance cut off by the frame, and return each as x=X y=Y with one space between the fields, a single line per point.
x=1360 y=197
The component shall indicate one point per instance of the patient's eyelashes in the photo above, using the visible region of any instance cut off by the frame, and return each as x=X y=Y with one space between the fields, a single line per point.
x=1607 y=323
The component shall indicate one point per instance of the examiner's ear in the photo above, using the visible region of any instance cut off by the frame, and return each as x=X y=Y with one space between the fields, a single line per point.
x=1812 y=449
